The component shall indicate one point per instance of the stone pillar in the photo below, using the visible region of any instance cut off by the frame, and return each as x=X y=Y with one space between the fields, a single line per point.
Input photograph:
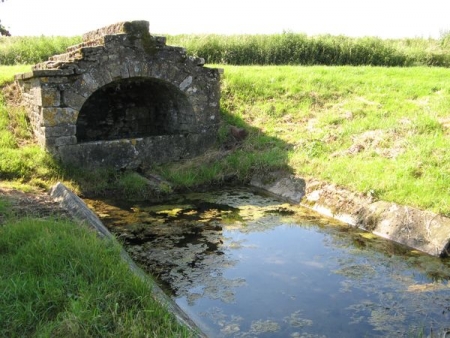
x=53 y=123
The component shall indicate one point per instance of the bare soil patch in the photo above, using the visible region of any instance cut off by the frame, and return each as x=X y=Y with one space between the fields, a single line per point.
x=32 y=204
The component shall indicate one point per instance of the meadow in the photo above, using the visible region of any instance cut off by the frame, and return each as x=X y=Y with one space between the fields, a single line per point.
x=377 y=130
x=286 y=48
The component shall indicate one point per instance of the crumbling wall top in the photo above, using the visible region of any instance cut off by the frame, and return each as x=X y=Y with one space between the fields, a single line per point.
x=137 y=28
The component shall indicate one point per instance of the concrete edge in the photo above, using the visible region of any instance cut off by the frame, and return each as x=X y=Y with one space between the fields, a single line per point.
x=83 y=215
x=421 y=230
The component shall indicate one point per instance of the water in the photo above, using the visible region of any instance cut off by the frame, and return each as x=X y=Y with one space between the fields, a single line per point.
x=247 y=265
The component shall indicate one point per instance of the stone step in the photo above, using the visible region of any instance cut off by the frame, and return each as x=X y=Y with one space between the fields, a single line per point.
x=91 y=43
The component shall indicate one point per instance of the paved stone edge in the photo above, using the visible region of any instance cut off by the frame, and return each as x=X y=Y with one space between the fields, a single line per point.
x=83 y=215
x=421 y=230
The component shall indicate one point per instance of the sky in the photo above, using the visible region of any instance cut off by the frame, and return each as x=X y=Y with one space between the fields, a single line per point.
x=355 y=18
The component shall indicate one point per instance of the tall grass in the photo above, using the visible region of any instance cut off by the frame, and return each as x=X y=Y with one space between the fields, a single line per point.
x=275 y=49
x=299 y=49
x=31 y=50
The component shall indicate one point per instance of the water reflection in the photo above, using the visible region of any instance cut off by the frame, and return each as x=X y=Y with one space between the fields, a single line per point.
x=247 y=265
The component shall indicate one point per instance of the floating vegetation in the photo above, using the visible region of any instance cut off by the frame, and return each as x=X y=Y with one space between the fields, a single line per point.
x=263 y=326
x=248 y=265
x=296 y=320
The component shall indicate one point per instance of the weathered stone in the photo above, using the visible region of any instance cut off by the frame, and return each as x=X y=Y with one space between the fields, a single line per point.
x=123 y=84
x=55 y=116
x=65 y=141
x=59 y=130
x=50 y=97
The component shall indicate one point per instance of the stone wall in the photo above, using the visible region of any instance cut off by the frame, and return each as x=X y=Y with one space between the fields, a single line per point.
x=123 y=98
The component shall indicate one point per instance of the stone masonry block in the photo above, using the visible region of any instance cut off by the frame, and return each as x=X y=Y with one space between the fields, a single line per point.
x=52 y=117
x=65 y=141
x=73 y=100
x=50 y=97
x=61 y=130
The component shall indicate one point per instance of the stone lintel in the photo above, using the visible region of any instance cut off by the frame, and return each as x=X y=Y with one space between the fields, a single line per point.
x=44 y=73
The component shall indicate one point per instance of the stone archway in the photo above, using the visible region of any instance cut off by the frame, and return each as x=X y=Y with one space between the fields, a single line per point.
x=123 y=98
x=134 y=108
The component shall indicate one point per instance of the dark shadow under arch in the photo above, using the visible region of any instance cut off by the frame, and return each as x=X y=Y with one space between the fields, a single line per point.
x=134 y=108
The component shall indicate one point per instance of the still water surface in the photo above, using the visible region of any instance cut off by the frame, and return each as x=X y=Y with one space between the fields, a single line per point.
x=242 y=264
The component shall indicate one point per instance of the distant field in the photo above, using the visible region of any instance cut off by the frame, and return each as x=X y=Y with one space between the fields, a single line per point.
x=300 y=49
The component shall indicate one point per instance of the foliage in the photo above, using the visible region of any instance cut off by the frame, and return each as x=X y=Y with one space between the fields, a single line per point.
x=299 y=49
x=3 y=30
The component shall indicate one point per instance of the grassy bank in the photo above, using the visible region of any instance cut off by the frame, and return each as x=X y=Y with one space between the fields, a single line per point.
x=381 y=131
x=60 y=280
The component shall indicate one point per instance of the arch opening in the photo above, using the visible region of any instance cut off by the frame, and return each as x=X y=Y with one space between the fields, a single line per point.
x=134 y=108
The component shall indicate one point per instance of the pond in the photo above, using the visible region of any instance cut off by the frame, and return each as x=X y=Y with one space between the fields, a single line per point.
x=244 y=264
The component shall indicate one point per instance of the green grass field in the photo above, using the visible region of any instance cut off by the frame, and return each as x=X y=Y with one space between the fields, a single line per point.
x=300 y=49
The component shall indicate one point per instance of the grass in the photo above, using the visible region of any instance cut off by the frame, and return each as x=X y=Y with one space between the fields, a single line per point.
x=60 y=280
x=275 y=49
x=375 y=130
x=29 y=50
